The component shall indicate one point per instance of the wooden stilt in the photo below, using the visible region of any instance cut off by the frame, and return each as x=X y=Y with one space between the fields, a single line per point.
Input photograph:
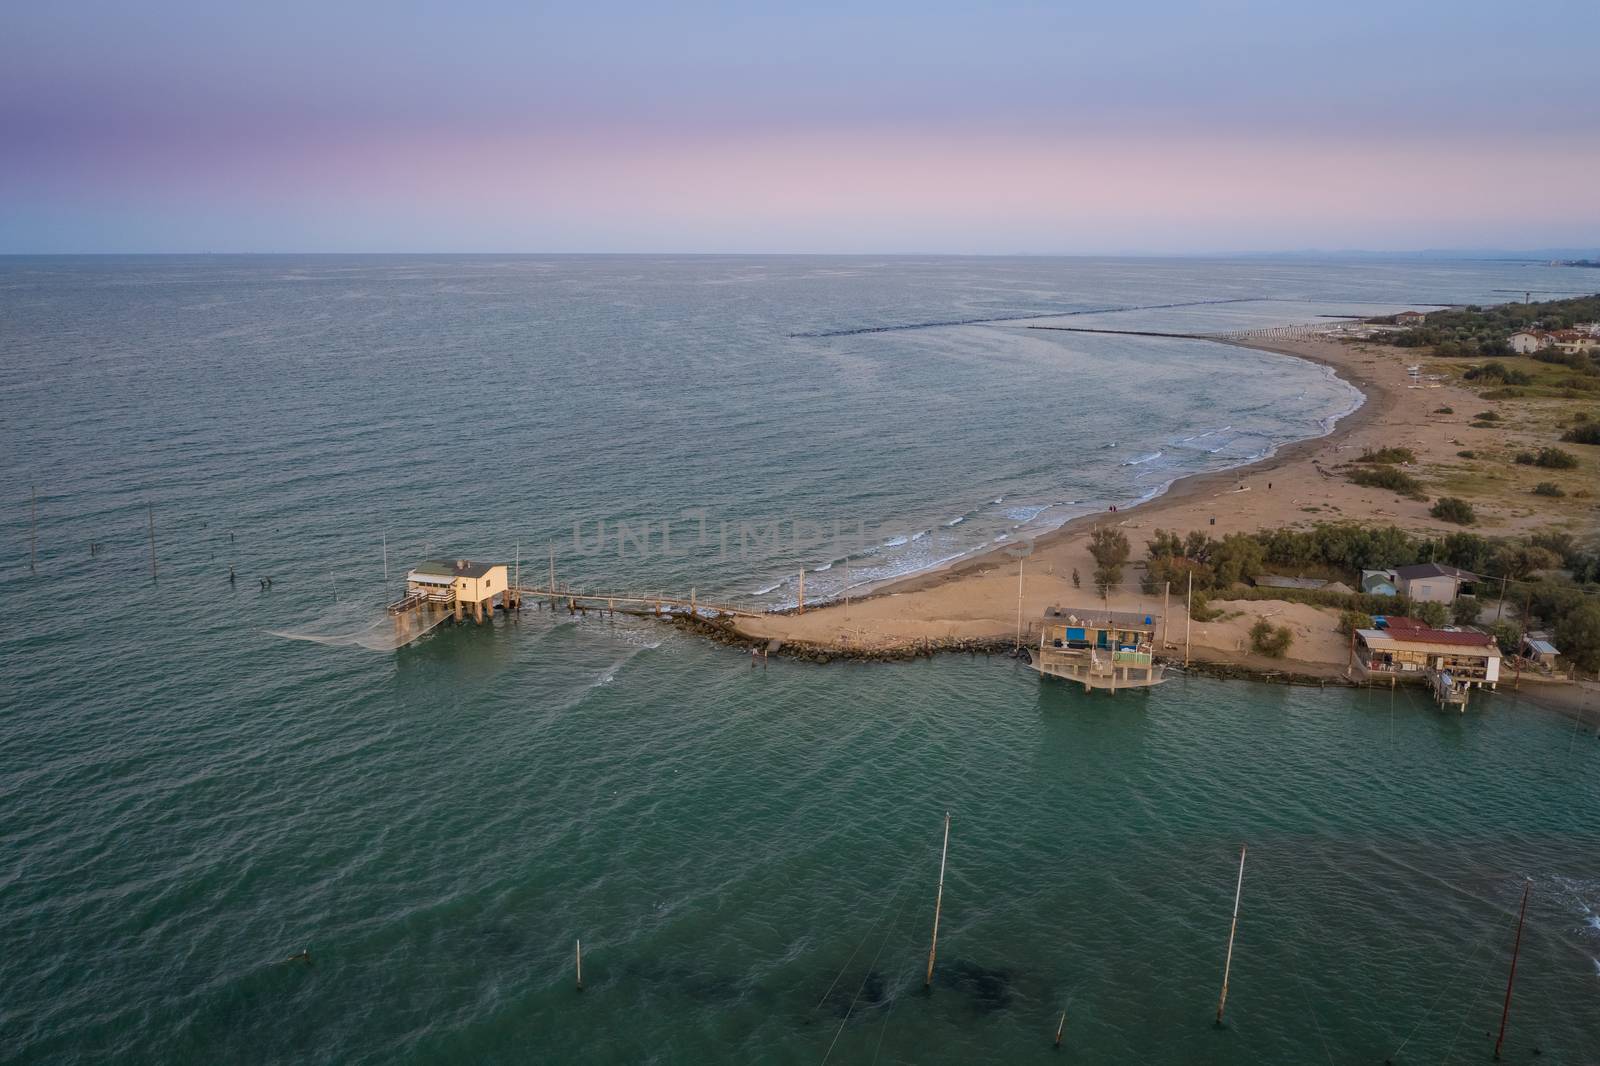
x=580 y=964
x=1227 y=966
x=1516 y=947
x=938 y=903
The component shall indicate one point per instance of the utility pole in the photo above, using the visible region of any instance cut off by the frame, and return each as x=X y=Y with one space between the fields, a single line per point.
x=1501 y=606
x=1019 y=604
x=1188 y=616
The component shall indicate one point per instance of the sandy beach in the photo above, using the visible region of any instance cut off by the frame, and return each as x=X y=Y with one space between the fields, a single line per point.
x=978 y=598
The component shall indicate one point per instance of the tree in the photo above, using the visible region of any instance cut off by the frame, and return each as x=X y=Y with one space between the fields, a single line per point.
x=1110 y=550
x=1578 y=636
x=1465 y=611
x=1429 y=613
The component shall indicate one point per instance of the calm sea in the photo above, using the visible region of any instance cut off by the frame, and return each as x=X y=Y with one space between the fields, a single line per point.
x=749 y=855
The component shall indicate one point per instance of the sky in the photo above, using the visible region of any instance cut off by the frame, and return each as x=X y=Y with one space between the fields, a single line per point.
x=817 y=127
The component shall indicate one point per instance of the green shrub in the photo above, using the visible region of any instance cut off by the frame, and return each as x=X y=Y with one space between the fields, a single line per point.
x=1525 y=459
x=1583 y=433
x=1548 y=488
x=1453 y=509
x=1269 y=639
x=1350 y=621
x=1498 y=373
x=1387 y=477
x=1469 y=454
x=1464 y=612
x=1388 y=455
x=1555 y=459
x=1486 y=416
x=1444 y=411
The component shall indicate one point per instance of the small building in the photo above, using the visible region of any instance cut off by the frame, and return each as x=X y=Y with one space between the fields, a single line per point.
x=1098 y=648
x=1538 y=650
x=1526 y=342
x=1453 y=661
x=1379 y=583
x=460 y=586
x=1434 y=582
x=1275 y=581
x=1410 y=318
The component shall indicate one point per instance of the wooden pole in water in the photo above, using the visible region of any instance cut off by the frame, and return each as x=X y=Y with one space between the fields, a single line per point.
x=801 y=602
x=151 y=511
x=580 y=963
x=938 y=903
x=552 y=575
x=1060 y=1027
x=1188 y=616
x=1505 y=1011
x=33 y=530
x=1232 y=929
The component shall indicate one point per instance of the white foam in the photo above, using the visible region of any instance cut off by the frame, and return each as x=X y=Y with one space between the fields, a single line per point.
x=1152 y=457
x=956 y=521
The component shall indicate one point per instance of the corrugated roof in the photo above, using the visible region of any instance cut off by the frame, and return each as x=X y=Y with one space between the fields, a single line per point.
x=1420 y=570
x=1083 y=616
x=1543 y=647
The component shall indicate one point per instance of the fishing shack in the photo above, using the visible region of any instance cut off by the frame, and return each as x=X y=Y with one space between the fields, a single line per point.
x=1099 y=648
x=460 y=586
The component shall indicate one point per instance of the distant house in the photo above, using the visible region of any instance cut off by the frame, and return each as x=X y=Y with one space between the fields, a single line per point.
x=1574 y=340
x=1433 y=582
x=1410 y=318
x=1379 y=583
x=1526 y=342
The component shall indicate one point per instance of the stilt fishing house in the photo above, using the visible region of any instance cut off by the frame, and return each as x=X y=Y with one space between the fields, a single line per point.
x=461 y=586
x=1099 y=649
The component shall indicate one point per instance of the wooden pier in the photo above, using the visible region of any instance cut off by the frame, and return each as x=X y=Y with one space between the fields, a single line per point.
x=637 y=603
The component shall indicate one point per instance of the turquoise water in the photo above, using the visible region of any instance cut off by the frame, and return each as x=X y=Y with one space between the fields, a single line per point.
x=749 y=854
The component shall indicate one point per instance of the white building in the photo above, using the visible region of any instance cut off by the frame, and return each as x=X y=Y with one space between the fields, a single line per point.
x=1525 y=342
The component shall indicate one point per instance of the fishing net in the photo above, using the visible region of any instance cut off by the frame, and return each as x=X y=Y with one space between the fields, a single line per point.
x=354 y=625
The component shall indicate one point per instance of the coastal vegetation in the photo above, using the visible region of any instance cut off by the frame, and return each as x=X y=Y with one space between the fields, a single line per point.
x=1550 y=575
x=1270 y=640
x=1387 y=477
x=1453 y=509
x=1549 y=458
x=1586 y=432
x=1110 y=550
x=1476 y=331
x=1387 y=455
x=1548 y=488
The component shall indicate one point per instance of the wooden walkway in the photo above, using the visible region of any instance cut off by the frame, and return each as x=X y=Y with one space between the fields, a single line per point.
x=645 y=603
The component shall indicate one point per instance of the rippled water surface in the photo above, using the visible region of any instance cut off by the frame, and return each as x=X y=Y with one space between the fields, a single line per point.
x=749 y=854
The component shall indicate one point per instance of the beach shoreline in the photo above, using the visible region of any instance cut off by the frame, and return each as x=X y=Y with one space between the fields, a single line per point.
x=1000 y=593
